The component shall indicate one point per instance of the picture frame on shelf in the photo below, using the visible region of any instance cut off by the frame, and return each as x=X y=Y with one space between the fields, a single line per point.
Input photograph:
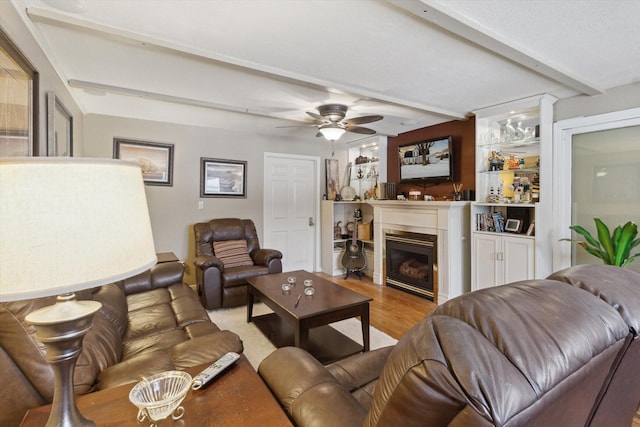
x=59 y=128
x=155 y=158
x=513 y=225
x=223 y=178
x=531 y=229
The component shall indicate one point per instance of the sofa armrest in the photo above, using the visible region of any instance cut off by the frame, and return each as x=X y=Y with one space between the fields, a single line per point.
x=160 y=275
x=307 y=391
x=203 y=262
x=265 y=256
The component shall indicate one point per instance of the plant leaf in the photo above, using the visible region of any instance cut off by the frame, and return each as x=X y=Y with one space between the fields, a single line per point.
x=581 y=230
x=623 y=247
x=628 y=261
x=594 y=252
x=605 y=241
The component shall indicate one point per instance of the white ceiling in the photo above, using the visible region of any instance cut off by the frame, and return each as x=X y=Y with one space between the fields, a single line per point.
x=260 y=64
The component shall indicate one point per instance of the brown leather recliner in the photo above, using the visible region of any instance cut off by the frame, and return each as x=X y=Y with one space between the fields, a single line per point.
x=530 y=353
x=221 y=285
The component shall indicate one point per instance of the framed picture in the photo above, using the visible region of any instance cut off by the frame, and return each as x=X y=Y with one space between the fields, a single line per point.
x=155 y=158
x=333 y=183
x=531 y=229
x=223 y=178
x=513 y=225
x=18 y=102
x=59 y=128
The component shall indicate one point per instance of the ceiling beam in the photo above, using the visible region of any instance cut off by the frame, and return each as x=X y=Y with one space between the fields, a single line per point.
x=65 y=20
x=446 y=17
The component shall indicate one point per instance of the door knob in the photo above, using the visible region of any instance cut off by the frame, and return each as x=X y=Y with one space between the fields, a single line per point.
x=311 y=223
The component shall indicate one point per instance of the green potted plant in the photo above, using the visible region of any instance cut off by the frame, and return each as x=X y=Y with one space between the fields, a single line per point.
x=613 y=248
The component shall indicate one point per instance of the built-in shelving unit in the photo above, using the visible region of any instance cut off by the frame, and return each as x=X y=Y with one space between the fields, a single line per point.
x=511 y=216
x=337 y=225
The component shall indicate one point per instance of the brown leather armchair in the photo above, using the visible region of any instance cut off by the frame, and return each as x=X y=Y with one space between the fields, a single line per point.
x=222 y=276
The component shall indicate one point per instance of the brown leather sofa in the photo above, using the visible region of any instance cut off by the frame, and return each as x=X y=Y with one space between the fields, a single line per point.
x=149 y=323
x=531 y=353
x=221 y=283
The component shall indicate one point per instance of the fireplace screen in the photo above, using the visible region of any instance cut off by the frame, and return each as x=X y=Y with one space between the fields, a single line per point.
x=411 y=262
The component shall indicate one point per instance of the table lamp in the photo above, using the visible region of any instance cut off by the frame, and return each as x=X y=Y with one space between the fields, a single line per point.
x=67 y=225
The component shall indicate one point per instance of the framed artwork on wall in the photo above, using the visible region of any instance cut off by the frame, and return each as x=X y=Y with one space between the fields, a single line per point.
x=59 y=128
x=333 y=182
x=18 y=102
x=223 y=178
x=155 y=158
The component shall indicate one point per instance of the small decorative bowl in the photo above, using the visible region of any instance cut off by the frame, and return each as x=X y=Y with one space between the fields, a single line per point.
x=291 y=280
x=308 y=283
x=309 y=291
x=160 y=395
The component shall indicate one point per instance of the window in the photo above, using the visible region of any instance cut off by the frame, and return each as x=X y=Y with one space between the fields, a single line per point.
x=18 y=102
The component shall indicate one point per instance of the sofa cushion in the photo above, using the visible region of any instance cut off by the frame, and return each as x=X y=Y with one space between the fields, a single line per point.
x=133 y=369
x=233 y=253
x=101 y=348
x=148 y=299
x=147 y=343
x=114 y=305
x=204 y=349
x=150 y=321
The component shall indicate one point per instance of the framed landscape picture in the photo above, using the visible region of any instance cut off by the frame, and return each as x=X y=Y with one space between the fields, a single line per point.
x=223 y=178
x=156 y=159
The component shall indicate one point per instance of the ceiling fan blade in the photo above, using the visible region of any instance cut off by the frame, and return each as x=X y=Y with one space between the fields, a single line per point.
x=315 y=116
x=297 y=126
x=364 y=119
x=360 y=129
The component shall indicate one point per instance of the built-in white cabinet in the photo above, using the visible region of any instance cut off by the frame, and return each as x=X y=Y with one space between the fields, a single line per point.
x=512 y=215
x=337 y=225
x=500 y=259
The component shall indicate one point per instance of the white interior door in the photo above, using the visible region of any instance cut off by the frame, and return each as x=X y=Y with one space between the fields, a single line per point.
x=291 y=209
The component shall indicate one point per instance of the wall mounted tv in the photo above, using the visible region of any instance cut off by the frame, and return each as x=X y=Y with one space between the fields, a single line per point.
x=430 y=160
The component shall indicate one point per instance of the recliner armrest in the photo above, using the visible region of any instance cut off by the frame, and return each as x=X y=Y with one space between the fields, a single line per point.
x=204 y=262
x=306 y=389
x=265 y=256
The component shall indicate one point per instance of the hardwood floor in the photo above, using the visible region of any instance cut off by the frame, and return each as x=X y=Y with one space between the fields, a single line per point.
x=394 y=312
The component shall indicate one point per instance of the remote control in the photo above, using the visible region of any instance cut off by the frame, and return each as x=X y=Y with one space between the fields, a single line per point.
x=205 y=377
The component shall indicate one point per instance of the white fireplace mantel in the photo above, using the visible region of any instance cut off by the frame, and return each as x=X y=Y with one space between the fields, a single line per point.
x=447 y=220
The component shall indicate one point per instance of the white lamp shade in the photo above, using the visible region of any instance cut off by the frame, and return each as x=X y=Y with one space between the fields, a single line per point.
x=332 y=133
x=68 y=224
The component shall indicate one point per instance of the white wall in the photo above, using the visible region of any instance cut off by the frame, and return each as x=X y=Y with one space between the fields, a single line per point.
x=174 y=209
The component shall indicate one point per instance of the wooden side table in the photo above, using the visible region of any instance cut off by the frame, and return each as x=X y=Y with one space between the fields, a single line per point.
x=237 y=398
x=166 y=257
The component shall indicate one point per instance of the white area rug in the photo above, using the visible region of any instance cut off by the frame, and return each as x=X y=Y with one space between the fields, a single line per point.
x=257 y=346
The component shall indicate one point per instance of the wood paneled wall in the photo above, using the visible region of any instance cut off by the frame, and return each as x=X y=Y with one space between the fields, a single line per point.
x=464 y=151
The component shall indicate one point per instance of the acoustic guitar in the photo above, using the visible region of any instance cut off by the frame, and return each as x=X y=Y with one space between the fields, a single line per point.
x=353 y=259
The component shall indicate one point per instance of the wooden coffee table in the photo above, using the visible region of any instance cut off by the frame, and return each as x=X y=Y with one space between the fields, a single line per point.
x=306 y=325
x=237 y=398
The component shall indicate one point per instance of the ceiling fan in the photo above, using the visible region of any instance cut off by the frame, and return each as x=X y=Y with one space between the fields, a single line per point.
x=332 y=125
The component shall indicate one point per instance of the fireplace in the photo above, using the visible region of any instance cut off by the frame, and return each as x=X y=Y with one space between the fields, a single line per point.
x=411 y=262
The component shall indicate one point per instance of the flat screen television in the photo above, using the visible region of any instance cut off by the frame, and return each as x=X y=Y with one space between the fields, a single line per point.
x=430 y=160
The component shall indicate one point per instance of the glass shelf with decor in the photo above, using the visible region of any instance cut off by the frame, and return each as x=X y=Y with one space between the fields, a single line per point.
x=513 y=159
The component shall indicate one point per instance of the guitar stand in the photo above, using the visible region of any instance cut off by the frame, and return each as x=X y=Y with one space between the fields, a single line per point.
x=349 y=271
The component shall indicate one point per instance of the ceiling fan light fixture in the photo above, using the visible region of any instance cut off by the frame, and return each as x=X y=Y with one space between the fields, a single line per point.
x=332 y=132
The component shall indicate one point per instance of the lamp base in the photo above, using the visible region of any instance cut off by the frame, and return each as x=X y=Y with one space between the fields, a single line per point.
x=61 y=328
